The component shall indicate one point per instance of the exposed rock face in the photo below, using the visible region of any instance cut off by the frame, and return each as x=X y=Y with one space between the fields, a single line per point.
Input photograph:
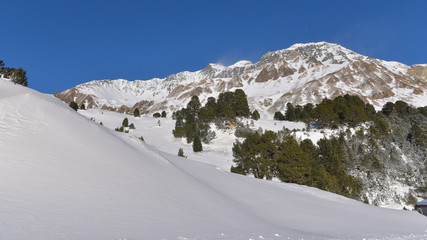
x=419 y=72
x=300 y=74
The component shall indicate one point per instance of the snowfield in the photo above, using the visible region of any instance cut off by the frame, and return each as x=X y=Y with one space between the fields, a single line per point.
x=63 y=176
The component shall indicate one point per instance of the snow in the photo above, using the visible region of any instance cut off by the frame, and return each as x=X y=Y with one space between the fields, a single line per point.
x=422 y=203
x=241 y=63
x=63 y=176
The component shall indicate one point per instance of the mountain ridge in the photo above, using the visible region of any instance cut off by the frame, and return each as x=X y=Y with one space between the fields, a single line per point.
x=300 y=74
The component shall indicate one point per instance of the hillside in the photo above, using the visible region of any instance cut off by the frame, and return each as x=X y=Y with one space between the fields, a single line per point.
x=300 y=74
x=66 y=177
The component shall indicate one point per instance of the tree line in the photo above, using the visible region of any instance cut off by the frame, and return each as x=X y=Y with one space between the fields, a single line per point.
x=279 y=155
x=347 y=109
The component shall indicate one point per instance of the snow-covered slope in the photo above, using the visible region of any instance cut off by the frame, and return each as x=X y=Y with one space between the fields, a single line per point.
x=300 y=74
x=63 y=176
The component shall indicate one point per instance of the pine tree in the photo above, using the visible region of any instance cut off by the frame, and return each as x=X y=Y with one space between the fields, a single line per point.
x=18 y=76
x=197 y=144
x=136 y=112
x=181 y=152
x=1 y=66
x=255 y=115
x=163 y=114
x=82 y=107
x=293 y=163
x=125 y=122
x=278 y=116
x=131 y=126
x=156 y=115
x=193 y=106
x=74 y=105
x=388 y=108
x=290 y=112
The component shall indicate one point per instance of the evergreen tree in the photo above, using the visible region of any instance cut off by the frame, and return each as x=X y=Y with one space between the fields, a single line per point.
x=416 y=136
x=82 y=107
x=197 y=144
x=206 y=114
x=125 y=122
x=388 y=108
x=290 y=112
x=255 y=115
x=193 y=106
x=136 y=113
x=1 y=66
x=131 y=126
x=240 y=103
x=156 y=115
x=18 y=76
x=181 y=152
x=179 y=125
x=325 y=114
x=74 y=105
x=278 y=116
x=163 y=114
x=293 y=163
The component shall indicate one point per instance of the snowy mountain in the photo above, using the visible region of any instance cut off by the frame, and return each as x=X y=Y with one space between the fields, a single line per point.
x=300 y=74
x=64 y=176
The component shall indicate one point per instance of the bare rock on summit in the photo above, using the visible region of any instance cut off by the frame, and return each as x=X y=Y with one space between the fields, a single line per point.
x=419 y=72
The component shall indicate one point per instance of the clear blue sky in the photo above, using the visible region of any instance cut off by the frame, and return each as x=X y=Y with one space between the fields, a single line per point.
x=65 y=43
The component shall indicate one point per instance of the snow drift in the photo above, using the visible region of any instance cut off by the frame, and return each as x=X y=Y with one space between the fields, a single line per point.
x=63 y=176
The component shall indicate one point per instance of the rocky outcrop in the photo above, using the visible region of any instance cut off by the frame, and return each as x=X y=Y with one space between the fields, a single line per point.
x=419 y=72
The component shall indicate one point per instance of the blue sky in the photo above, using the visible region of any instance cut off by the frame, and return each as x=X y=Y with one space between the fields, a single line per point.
x=65 y=43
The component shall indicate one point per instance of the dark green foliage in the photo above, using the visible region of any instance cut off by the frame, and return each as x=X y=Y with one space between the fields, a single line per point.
x=193 y=108
x=100 y=123
x=324 y=167
x=125 y=122
x=74 y=105
x=163 y=114
x=181 y=152
x=194 y=120
x=131 y=126
x=17 y=76
x=82 y=107
x=278 y=116
x=136 y=113
x=156 y=115
x=255 y=154
x=423 y=110
x=293 y=164
x=197 y=144
x=142 y=139
x=232 y=104
x=290 y=112
x=388 y=108
x=206 y=114
x=347 y=109
x=1 y=66
x=120 y=129
x=255 y=115
x=416 y=136
x=240 y=104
